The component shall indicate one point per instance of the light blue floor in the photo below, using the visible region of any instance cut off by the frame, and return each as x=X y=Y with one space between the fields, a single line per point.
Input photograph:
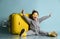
x=7 y=36
x=4 y=34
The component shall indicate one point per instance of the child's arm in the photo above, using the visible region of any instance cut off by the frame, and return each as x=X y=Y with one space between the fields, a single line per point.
x=44 y=17
x=26 y=18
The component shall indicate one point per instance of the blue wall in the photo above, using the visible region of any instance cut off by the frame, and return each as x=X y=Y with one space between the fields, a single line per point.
x=44 y=7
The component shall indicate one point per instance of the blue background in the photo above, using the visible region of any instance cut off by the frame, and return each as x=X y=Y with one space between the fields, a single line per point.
x=44 y=7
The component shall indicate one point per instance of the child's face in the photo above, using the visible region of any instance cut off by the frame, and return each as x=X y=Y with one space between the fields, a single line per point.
x=35 y=16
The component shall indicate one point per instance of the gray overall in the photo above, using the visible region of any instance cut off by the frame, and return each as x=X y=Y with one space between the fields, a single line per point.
x=34 y=26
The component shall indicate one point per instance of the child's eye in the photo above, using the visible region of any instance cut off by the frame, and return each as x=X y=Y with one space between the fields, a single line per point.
x=36 y=15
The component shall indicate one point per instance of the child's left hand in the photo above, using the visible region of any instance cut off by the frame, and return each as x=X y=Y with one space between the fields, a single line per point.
x=50 y=14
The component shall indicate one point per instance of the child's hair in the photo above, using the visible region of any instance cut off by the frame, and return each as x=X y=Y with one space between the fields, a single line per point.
x=34 y=11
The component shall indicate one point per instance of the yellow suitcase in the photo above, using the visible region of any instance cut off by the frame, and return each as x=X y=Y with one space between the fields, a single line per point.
x=17 y=23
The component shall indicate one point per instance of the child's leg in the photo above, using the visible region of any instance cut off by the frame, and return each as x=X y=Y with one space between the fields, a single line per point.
x=39 y=32
x=30 y=32
x=51 y=34
x=43 y=33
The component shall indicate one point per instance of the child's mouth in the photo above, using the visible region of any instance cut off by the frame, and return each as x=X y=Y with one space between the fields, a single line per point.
x=34 y=17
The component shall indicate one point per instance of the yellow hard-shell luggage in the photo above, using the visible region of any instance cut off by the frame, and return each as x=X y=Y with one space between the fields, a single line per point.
x=17 y=23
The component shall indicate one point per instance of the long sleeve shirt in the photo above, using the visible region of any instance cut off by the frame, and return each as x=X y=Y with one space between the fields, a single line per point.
x=34 y=25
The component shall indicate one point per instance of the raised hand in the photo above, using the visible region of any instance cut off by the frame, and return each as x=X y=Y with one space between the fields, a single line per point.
x=22 y=12
x=50 y=14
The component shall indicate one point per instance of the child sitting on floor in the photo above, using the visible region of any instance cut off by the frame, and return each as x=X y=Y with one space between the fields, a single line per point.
x=34 y=23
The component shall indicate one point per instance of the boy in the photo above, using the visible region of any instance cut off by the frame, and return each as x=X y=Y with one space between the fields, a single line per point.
x=34 y=22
